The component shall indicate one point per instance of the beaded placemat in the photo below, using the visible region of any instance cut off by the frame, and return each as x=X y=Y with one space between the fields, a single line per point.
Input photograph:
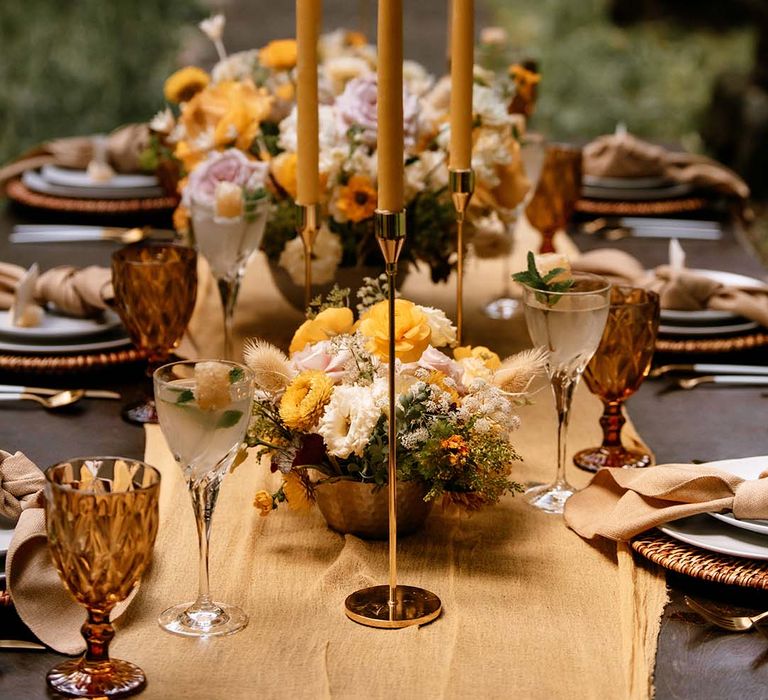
x=713 y=345
x=698 y=563
x=59 y=364
x=649 y=208
x=16 y=190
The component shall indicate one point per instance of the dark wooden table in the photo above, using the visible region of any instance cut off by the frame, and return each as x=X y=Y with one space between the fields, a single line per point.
x=693 y=661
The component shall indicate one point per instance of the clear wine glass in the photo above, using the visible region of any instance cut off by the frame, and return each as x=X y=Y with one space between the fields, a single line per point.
x=569 y=326
x=228 y=245
x=204 y=409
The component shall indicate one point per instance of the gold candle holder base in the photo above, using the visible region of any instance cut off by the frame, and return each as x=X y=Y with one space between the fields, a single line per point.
x=462 y=184
x=412 y=606
x=392 y=606
x=308 y=226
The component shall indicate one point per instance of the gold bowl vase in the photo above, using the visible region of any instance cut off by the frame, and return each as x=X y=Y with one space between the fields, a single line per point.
x=356 y=508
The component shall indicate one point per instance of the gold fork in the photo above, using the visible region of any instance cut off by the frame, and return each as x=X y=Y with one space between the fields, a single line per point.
x=731 y=623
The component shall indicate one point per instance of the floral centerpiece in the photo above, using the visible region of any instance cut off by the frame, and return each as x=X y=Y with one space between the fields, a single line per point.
x=248 y=102
x=321 y=412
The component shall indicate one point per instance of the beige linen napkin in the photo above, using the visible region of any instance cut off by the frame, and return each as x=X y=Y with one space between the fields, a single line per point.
x=78 y=292
x=124 y=148
x=35 y=587
x=623 y=155
x=678 y=289
x=621 y=503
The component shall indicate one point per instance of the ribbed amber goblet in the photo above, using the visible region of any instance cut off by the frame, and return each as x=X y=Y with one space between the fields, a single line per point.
x=617 y=370
x=102 y=518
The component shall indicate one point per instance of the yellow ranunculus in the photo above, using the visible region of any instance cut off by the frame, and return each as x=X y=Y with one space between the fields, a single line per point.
x=325 y=325
x=263 y=502
x=489 y=358
x=305 y=398
x=284 y=169
x=279 y=54
x=286 y=92
x=412 y=331
x=185 y=83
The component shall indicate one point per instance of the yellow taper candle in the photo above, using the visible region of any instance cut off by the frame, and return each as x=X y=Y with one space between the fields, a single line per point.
x=462 y=63
x=390 y=105
x=307 y=28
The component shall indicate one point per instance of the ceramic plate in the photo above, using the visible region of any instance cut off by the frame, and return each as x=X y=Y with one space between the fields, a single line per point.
x=6 y=532
x=749 y=468
x=117 y=339
x=35 y=182
x=640 y=194
x=55 y=327
x=707 y=331
x=80 y=178
x=714 y=536
x=625 y=183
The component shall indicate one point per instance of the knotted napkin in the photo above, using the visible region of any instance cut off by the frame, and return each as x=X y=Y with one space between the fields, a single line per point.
x=623 y=155
x=124 y=148
x=36 y=590
x=679 y=289
x=621 y=503
x=77 y=292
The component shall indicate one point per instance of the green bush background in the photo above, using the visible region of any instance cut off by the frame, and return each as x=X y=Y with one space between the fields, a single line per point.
x=84 y=66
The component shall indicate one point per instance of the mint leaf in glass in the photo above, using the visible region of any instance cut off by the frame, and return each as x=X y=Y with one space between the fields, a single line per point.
x=229 y=419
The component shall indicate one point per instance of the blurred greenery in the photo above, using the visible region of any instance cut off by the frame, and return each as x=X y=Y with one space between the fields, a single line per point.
x=84 y=66
x=655 y=77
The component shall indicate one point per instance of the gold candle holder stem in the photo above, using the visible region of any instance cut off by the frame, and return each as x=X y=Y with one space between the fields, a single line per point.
x=462 y=184
x=392 y=606
x=308 y=225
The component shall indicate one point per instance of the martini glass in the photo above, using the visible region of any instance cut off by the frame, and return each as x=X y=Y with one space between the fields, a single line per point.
x=204 y=433
x=569 y=326
x=228 y=245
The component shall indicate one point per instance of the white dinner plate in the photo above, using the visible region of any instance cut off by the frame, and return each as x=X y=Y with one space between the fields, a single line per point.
x=6 y=533
x=749 y=468
x=715 y=536
x=35 y=182
x=710 y=317
x=639 y=194
x=707 y=331
x=55 y=327
x=625 y=183
x=118 y=340
x=56 y=175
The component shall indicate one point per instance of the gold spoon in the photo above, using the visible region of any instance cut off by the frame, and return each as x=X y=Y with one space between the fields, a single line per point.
x=51 y=403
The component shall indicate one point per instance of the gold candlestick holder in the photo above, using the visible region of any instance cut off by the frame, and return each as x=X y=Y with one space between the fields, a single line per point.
x=308 y=225
x=392 y=606
x=462 y=187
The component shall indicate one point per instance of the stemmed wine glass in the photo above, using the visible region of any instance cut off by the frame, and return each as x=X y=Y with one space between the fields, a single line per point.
x=155 y=288
x=568 y=325
x=102 y=516
x=617 y=369
x=204 y=408
x=557 y=191
x=228 y=245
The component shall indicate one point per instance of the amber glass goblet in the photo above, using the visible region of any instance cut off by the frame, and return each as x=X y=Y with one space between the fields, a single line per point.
x=101 y=516
x=557 y=191
x=616 y=371
x=155 y=289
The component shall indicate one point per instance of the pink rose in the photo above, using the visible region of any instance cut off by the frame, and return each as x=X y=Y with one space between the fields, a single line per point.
x=434 y=360
x=357 y=107
x=231 y=165
x=317 y=356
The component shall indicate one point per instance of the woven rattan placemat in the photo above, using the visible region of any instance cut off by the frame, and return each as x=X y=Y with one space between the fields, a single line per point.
x=59 y=364
x=699 y=563
x=713 y=345
x=21 y=193
x=650 y=208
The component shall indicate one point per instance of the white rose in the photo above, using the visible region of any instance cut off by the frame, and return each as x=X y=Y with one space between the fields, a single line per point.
x=326 y=254
x=443 y=331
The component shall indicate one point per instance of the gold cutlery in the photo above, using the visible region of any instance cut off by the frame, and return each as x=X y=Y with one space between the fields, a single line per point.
x=61 y=234
x=57 y=400
x=722 y=379
x=731 y=623
x=20 y=644
x=44 y=391
x=708 y=368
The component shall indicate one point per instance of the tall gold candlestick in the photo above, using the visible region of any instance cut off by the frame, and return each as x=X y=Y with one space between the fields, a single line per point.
x=308 y=224
x=392 y=606
x=462 y=187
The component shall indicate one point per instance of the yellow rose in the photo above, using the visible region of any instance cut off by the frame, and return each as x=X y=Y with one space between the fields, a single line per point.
x=284 y=169
x=304 y=400
x=263 y=502
x=412 y=331
x=489 y=358
x=185 y=83
x=279 y=54
x=325 y=325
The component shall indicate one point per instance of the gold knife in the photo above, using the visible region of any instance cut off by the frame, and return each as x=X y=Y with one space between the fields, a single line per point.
x=44 y=391
x=20 y=644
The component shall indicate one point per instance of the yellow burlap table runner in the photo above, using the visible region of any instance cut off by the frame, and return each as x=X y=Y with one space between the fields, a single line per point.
x=530 y=609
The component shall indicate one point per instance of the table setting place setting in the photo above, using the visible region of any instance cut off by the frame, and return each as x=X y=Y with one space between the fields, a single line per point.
x=388 y=455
